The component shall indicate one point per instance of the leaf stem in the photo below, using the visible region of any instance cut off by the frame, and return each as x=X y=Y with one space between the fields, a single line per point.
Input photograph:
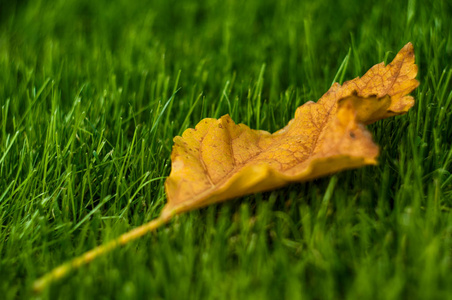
x=61 y=271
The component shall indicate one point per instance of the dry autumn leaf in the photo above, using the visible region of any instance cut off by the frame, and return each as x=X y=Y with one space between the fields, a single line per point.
x=220 y=160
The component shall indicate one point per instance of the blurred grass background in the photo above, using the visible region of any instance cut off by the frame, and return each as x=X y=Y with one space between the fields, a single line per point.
x=92 y=93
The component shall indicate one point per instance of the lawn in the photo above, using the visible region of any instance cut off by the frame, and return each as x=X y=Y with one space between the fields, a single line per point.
x=93 y=92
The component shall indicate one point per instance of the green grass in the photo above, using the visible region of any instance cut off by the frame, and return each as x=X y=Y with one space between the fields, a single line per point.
x=92 y=93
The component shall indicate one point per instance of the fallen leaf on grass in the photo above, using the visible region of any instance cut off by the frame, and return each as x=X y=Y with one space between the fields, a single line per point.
x=220 y=160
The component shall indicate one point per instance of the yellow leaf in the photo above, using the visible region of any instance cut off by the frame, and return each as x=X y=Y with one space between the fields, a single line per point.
x=220 y=160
